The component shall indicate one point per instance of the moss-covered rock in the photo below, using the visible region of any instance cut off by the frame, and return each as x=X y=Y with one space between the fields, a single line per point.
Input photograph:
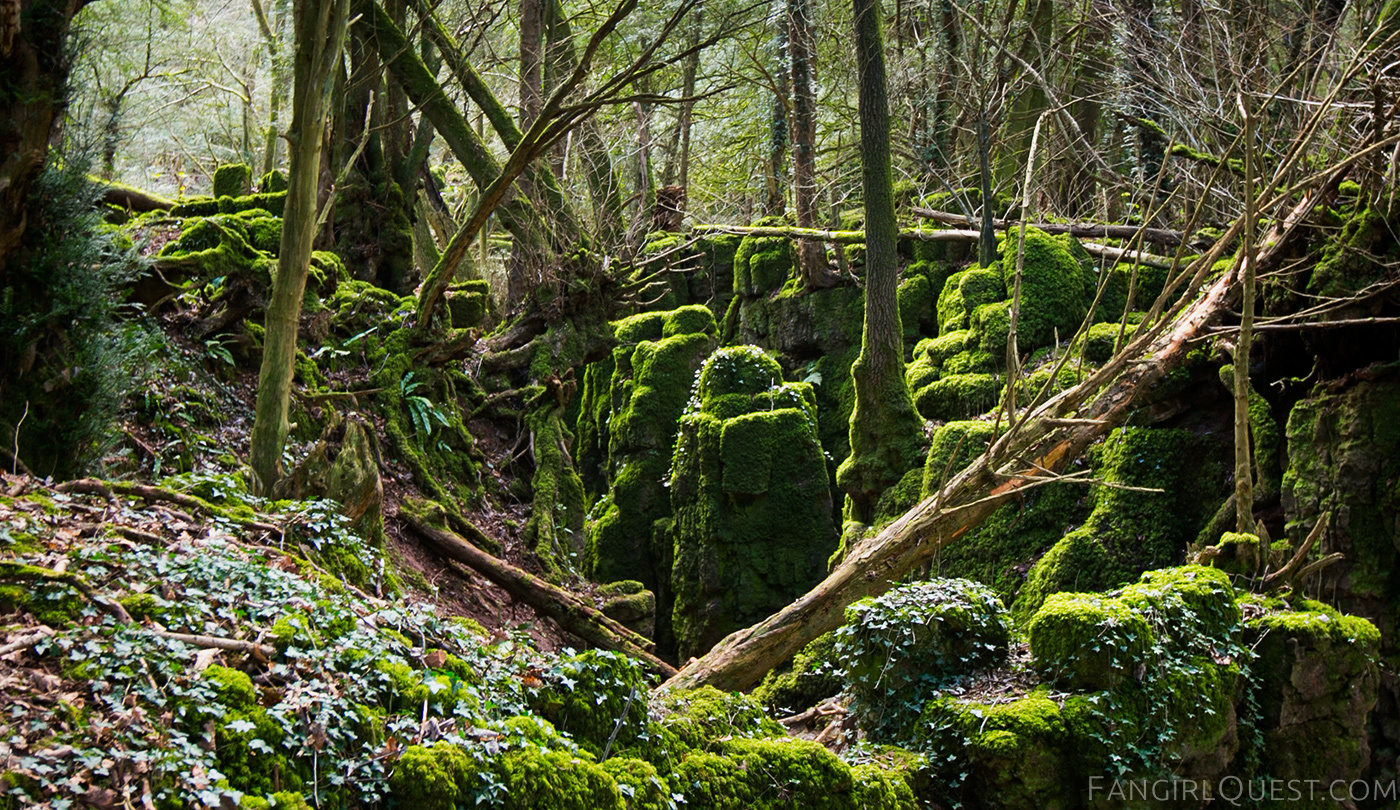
x=586 y=695
x=1053 y=286
x=1088 y=642
x=897 y=650
x=762 y=264
x=1317 y=682
x=964 y=292
x=752 y=511
x=1344 y=460
x=958 y=396
x=556 y=780
x=437 y=777
x=1131 y=531
x=702 y=718
x=233 y=180
x=1015 y=754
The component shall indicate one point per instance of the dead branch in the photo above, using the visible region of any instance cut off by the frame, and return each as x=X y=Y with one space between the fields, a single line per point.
x=218 y=643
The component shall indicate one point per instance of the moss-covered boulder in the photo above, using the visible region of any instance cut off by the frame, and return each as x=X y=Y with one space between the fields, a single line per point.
x=1131 y=531
x=468 y=302
x=1016 y=754
x=1317 y=682
x=749 y=494
x=958 y=396
x=803 y=682
x=233 y=180
x=762 y=264
x=1344 y=460
x=964 y=292
x=898 y=650
x=1087 y=642
x=628 y=426
x=1053 y=285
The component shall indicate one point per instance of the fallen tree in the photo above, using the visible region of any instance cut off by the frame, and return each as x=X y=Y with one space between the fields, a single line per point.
x=922 y=235
x=571 y=612
x=1079 y=230
x=1032 y=451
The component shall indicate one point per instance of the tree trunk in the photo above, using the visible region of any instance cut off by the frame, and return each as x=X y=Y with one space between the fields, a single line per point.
x=689 y=69
x=885 y=429
x=319 y=27
x=34 y=72
x=1045 y=436
x=531 y=60
x=811 y=256
x=1244 y=482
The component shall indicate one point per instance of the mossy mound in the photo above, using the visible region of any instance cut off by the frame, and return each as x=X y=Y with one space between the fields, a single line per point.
x=762 y=264
x=898 y=650
x=1358 y=256
x=233 y=180
x=1088 y=642
x=1053 y=286
x=752 y=509
x=1130 y=531
x=964 y=292
x=958 y=396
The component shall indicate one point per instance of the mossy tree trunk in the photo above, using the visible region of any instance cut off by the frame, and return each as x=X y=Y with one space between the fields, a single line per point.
x=811 y=257
x=885 y=429
x=319 y=27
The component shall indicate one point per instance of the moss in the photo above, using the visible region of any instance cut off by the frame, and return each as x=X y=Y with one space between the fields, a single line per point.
x=1088 y=642
x=587 y=696
x=233 y=180
x=1192 y=601
x=916 y=310
x=1265 y=441
x=963 y=293
x=1100 y=341
x=958 y=396
x=991 y=329
x=953 y=447
x=804 y=682
x=437 y=777
x=258 y=771
x=556 y=780
x=749 y=496
x=1131 y=531
x=784 y=772
x=1357 y=256
x=701 y=718
x=468 y=308
x=1317 y=682
x=403 y=688
x=896 y=650
x=1343 y=458
x=874 y=789
x=711 y=780
x=762 y=264
x=272 y=182
x=1000 y=551
x=1239 y=554
x=1053 y=286
x=555 y=527
x=1016 y=754
x=899 y=498
x=639 y=783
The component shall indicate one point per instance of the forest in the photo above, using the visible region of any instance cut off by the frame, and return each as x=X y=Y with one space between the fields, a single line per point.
x=585 y=405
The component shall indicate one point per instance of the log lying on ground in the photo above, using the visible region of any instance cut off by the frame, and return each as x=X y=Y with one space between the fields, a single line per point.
x=1028 y=455
x=133 y=199
x=921 y=235
x=1080 y=230
x=568 y=610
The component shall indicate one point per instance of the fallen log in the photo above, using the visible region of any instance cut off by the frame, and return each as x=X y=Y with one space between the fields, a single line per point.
x=550 y=600
x=1079 y=230
x=133 y=199
x=1029 y=454
x=918 y=234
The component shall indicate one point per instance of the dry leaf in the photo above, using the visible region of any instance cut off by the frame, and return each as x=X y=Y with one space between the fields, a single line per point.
x=435 y=658
x=204 y=658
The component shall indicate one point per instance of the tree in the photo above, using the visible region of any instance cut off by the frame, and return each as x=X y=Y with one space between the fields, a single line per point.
x=885 y=429
x=319 y=28
x=811 y=256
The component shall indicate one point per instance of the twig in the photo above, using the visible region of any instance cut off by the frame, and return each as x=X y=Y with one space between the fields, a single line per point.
x=230 y=644
x=26 y=641
x=1285 y=574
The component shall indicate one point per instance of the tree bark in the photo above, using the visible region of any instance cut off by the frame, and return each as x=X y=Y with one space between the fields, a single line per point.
x=1156 y=236
x=811 y=256
x=568 y=610
x=320 y=32
x=1244 y=481
x=1045 y=436
x=885 y=430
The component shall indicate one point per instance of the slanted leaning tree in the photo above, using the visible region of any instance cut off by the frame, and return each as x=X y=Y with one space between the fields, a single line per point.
x=885 y=430
x=319 y=27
